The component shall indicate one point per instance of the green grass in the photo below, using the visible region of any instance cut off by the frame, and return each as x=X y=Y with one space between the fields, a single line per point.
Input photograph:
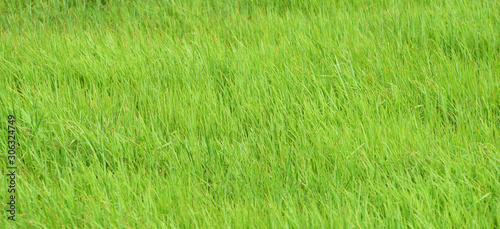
x=280 y=114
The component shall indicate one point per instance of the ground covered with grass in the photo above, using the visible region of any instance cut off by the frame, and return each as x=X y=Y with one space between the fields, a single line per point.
x=294 y=114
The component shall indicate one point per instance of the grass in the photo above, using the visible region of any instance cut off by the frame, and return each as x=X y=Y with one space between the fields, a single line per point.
x=280 y=114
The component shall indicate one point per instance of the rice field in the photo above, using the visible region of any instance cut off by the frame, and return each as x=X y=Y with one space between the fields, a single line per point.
x=251 y=114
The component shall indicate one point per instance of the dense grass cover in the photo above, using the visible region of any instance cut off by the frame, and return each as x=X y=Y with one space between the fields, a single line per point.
x=294 y=114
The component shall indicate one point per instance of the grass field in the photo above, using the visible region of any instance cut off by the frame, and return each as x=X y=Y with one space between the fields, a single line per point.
x=244 y=113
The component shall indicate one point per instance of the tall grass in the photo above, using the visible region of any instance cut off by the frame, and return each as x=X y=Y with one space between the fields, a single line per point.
x=294 y=114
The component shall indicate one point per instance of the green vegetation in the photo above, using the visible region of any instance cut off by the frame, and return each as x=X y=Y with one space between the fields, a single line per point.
x=294 y=114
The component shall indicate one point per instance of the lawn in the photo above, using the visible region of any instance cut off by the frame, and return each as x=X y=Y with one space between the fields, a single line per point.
x=251 y=114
